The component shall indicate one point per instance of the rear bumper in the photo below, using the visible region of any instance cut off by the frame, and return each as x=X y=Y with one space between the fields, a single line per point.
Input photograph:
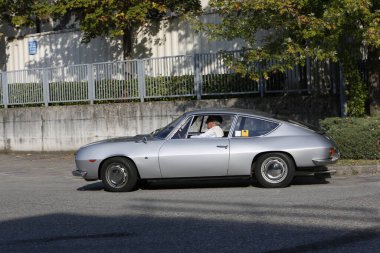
x=327 y=173
x=325 y=161
x=322 y=171
x=322 y=162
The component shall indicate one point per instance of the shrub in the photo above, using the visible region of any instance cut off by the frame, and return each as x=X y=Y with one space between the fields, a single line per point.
x=357 y=138
x=164 y=86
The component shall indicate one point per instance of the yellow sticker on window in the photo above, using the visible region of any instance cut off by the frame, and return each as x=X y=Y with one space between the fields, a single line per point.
x=244 y=133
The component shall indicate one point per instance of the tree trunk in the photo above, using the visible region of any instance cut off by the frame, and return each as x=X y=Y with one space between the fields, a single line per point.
x=38 y=25
x=127 y=44
x=374 y=81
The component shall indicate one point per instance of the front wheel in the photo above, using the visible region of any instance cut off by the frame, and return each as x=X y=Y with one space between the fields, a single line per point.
x=119 y=175
x=274 y=170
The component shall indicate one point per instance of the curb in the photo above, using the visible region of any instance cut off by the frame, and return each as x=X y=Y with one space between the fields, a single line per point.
x=355 y=170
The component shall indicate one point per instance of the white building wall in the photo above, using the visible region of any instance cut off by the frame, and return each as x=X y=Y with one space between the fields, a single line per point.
x=60 y=49
x=176 y=37
x=169 y=37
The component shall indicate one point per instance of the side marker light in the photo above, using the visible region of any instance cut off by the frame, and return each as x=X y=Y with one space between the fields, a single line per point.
x=332 y=152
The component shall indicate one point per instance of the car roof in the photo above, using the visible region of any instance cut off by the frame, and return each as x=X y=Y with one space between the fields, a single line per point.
x=259 y=114
x=248 y=112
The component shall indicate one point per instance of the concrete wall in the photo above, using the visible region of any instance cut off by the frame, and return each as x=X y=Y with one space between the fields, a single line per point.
x=69 y=127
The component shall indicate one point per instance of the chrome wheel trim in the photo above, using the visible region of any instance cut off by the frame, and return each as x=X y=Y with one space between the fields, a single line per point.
x=274 y=170
x=117 y=175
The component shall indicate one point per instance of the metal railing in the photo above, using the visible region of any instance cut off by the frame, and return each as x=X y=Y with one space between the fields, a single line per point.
x=115 y=80
x=216 y=78
x=169 y=76
x=164 y=77
x=24 y=87
x=67 y=84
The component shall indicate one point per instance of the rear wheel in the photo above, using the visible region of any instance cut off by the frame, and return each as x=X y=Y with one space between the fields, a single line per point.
x=274 y=170
x=119 y=175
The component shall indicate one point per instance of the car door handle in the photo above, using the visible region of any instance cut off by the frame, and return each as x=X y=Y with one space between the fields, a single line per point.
x=222 y=146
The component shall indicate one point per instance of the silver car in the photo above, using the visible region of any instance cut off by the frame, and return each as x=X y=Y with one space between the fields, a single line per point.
x=271 y=150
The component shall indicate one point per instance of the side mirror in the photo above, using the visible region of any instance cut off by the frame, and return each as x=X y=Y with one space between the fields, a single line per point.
x=144 y=139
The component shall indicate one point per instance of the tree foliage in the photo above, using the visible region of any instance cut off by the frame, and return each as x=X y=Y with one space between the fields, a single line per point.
x=288 y=31
x=23 y=13
x=111 y=18
x=119 y=18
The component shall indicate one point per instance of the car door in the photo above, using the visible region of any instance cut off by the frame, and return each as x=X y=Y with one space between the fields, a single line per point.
x=247 y=140
x=182 y=156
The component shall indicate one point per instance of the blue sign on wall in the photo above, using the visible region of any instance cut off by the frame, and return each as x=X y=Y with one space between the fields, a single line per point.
x=32 y=45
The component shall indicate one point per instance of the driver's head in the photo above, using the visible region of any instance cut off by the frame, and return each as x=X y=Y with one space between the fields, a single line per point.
x=214 y=120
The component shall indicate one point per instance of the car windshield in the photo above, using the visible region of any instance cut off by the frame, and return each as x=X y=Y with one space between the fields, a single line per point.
x=163 y=132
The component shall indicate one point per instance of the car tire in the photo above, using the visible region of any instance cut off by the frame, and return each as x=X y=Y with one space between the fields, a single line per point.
x=274 y=170
x=119 y=175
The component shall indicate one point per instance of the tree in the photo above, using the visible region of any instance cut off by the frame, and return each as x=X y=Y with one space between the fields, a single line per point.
x=23 y=13
x=111 y=18
x=116 y=18
x=297 y=29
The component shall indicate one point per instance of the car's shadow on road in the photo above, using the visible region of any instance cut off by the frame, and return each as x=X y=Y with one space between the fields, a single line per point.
x=98 y=186
x=309 y=180
x=168 y=184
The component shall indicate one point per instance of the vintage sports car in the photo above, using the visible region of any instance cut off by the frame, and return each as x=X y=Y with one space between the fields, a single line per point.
x=271 y=150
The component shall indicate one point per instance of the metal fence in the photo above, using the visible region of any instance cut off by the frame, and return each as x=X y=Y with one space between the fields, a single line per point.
x=24 y=87
x=165 y=77
x=115 y=80
x=168 y=77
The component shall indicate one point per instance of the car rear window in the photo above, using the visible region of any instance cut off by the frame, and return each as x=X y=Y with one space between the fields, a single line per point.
x=250 y=127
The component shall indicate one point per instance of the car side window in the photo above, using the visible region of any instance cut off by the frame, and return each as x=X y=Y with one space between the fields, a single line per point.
x=197 y=125
x=251 y=127
x=226 y=125
x=182 y=131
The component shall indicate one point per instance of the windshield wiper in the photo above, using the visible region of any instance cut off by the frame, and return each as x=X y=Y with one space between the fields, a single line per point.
x=155 y=131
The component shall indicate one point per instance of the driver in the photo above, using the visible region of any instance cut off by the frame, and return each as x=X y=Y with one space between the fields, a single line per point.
x=213 y=125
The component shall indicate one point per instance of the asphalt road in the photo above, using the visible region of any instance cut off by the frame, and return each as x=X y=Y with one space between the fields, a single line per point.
x=44 y=209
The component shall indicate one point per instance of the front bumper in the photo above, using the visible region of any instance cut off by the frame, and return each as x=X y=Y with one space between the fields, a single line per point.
x=85 y=175
x=78 y=173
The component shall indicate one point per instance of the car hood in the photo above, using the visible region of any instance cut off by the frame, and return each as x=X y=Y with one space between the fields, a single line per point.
x=137 y=138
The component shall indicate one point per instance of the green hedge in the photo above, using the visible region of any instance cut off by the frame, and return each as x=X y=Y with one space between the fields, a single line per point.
x=357 y=138
x=169 y=85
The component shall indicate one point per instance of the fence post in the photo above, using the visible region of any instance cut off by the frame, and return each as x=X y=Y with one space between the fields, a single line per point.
x=261 y=82
x=262 y=86
x=342 y=94
x=45 y=87
x=332 y=74
x=91 y=83
x=308 y=74
x=141 y=79
x=4 y=82
x=197 y=76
